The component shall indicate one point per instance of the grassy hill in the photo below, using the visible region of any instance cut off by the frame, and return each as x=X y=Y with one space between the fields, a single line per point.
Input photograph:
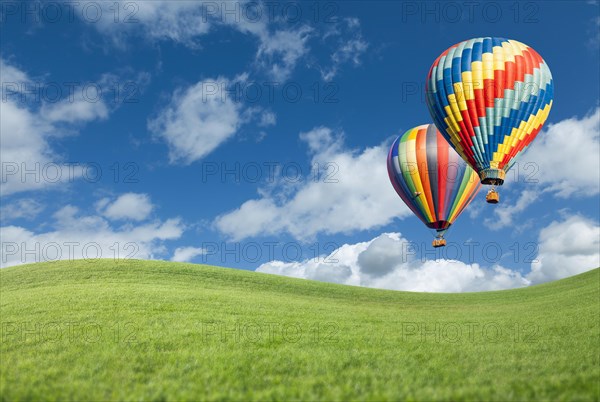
x=151 y=330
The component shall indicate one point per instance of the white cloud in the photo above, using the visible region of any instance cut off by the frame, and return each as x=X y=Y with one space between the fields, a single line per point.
x=197 y=120
x=280 y=51
x=566 y=154
x=75 y=110
x=267 y=118
x=386 y=262
x=185 y=254
x=505 y=213
x=566 y=248
x=353 y=193
x=281 y=44
x=25 y=208
x=562 y=161
x=132 y=206
x=179 y=21
x=11 y=74
x=27 y=128
x=79 y=236
x=350 y=46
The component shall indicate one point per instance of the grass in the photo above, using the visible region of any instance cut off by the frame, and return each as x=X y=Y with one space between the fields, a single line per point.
x=151 y=330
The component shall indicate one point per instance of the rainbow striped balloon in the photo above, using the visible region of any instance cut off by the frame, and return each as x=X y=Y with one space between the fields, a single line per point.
x=489 y=97
x=430 y=177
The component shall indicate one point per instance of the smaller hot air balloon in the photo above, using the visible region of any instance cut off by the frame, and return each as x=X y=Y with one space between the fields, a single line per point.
x=431 y=178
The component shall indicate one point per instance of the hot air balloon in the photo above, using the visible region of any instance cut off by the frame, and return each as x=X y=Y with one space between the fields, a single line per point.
x=431 y=178
x=489 y=97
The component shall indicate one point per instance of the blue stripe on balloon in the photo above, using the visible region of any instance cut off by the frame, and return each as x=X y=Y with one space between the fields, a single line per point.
x=487 y=45
x=476 y=52
x=465 y=60
x=447 y=82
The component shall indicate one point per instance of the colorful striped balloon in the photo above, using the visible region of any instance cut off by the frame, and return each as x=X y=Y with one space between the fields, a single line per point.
x=430 y=177
x=489 y=97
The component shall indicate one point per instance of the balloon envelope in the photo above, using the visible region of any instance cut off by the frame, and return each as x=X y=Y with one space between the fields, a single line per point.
x=489 y=97
x=430 y=176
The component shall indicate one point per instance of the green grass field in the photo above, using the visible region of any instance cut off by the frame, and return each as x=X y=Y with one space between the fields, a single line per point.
x=151 y=330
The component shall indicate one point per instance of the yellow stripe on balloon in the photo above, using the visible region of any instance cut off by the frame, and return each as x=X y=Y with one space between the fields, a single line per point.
x=477 y=74
x=460 y=96
x=521 y=46
x=467 y=85
x=525 y=128
x=411 y=158
x=488 y=66
x=509 y=52
x=451 y=119
x=455 y=112
x=473 y=182
x=450 y=123
x=539 y=118
x=498 y=58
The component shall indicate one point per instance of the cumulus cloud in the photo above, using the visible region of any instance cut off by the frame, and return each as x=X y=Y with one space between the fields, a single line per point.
x=132 y=206
x=353 y=194
x=185 y=254
x=566 y=155
x=567 y=247
x=562 y=162
x=75 y=235
x=389 y=261
x=197 y=120
x=29 y=124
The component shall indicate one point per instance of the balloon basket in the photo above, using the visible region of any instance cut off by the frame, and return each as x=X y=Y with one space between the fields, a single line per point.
x=438 y=243
x=492 y=197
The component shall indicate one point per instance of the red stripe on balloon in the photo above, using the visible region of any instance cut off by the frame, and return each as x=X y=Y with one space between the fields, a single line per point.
x=442 y=154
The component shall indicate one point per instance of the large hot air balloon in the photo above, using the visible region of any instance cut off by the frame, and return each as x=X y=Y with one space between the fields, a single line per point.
x=489 y=97
x=431 y=178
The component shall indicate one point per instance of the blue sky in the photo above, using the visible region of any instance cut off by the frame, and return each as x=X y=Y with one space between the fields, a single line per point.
x=292 y=165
